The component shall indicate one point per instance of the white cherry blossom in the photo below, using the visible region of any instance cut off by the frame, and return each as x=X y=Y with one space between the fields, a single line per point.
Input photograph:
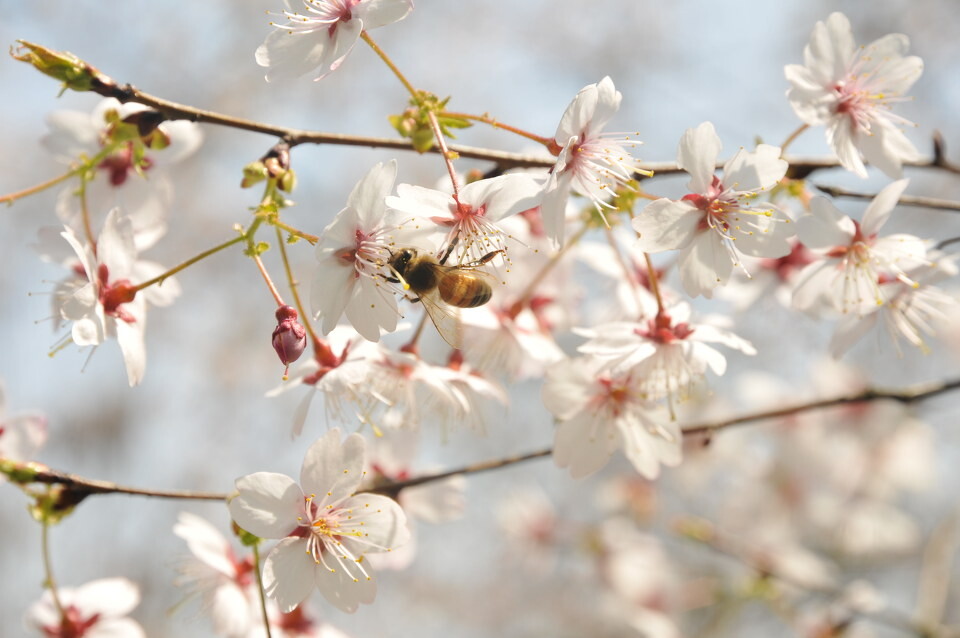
x=590 y=162
x=97 y=609
x=471 y=220
x=852 y=90
x=602 y=410
x=854 y=258
x=353 y=251
x=718 y=221
x=100 y=298
x=326 y=529
x=21 y=435
x=320 y=38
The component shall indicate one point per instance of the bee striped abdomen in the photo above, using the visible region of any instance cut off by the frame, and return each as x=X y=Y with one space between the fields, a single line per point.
x=464 y=290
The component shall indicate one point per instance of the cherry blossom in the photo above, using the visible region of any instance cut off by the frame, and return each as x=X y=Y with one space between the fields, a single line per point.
x=97 y=609
x=101 y=299
x=852 y=90
x=717 y=221
x=529 y=523
x=133 y=175
x=472 y=219
x=668 y=352
x=590 y=162
x=21 y=435
x=353 y=251
x=225 y=582
x=854 y=259
x=602 y=410
x=321 y=38
x=326 y=529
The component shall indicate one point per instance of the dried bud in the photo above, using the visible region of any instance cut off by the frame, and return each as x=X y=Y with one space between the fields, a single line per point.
x=289 y=337
x=64 y=66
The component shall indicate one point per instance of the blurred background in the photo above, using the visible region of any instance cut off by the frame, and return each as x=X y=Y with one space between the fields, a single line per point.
x=200 y=418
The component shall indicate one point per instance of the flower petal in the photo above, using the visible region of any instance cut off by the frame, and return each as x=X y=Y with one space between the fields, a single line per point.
x=332 y=470
x=288 y=573
x=269 y=504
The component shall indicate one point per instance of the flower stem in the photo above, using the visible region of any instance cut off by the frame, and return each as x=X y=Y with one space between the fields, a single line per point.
x=538 y=278
x=294 y=291
x=85 y=215
x=12 y=197
x=447 y=155
x=790 y=138
x=549 y=142
x=50 y=582
x=386 y=60
x=263 y=595
x=159 y=278
x=628 y=274
x=313 y=239
x=268 y=280
x=654 y=282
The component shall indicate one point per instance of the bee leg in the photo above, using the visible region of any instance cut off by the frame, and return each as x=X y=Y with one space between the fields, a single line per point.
x=449 y=250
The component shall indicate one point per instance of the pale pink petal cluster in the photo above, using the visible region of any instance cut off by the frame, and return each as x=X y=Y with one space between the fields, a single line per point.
x=352 y=253
x=21 y=435
x=601 y=410
x=852 y=91
x=719 y=220
x=319 y=34
x=100 y=300
x=97 y=609
x=853 y=258
x=326 y=529
x=471 y=220
x=591 y=163
x=133 y=177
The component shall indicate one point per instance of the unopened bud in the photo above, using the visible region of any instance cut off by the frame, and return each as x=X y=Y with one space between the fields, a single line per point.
x=253 y=173
x=289 y=337
x=64 y=66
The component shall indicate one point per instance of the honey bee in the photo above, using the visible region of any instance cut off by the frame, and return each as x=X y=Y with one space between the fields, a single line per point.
x=442 y=289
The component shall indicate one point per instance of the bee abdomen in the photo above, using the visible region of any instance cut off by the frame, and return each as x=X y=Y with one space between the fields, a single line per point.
x=464 y=290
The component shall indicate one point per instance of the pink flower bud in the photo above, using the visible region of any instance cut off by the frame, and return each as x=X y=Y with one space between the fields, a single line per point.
x=289 y=337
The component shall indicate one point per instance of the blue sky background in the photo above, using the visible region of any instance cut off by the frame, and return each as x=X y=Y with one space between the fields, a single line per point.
x=200 y=419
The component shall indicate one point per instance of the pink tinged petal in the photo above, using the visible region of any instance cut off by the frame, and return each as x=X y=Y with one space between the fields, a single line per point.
x=22 y=436
x=300 y=414
x=811 y=100
x=71 y=133
x=268 y=505
x=290 y=55
x=368 y=196
x=711 y=334
x=116 y=628
x=43 y=613
x=708 y=355
x=578 y=115
x=109 y=597
x=825 y=226
x=332 y=467
x=162 y=294
x=705 y=264
x=419 y=202
x=608 y=103
x=553 y=207
x=341 y=590
x=185 y=139
x=130 y=337
x=230 y=610
x=205 y=542
x=759 y=170
x=505 y=195
x=843 y=139
x=439 y=502
x=583 y=445
x=697 y=154
x=666 y=225
x=831 y=48
x=887 y=148
x=645 y=450
x=288 y=573
x=370 y=308
x=87 y=332
x=568 y=388
x=333 y=285
x=878 y=212
x=850 y=329
x=384 y=524
x=814 y=285
x=379 y=13
x=85 y=256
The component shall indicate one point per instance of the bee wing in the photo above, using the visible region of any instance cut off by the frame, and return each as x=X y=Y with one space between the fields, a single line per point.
x=445 y=317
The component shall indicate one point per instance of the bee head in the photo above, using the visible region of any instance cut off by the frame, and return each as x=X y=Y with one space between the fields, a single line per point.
x=401 y=259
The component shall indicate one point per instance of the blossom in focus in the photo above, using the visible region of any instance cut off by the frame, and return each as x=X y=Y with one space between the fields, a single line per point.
x=854 y=259
x=353 y=252
x=326 y=529
x=101 y=299
x=225 y=582
x=590 y=162
x=21 y=435
x=601 y=410
x=717 y=222
x=339 y=369
x=668 y=352
x=133 y=175
x=852 y=90
x=97 y=609
x=321 y=37
x=472 y=219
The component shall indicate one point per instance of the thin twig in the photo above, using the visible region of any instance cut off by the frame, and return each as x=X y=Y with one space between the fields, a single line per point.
x=906 y=200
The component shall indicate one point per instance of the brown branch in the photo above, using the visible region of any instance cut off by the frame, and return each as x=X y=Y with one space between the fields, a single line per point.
x=906 y=200
x=79 y=487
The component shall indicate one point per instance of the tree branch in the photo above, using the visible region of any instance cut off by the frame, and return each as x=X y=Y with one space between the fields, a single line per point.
x=907 y=200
